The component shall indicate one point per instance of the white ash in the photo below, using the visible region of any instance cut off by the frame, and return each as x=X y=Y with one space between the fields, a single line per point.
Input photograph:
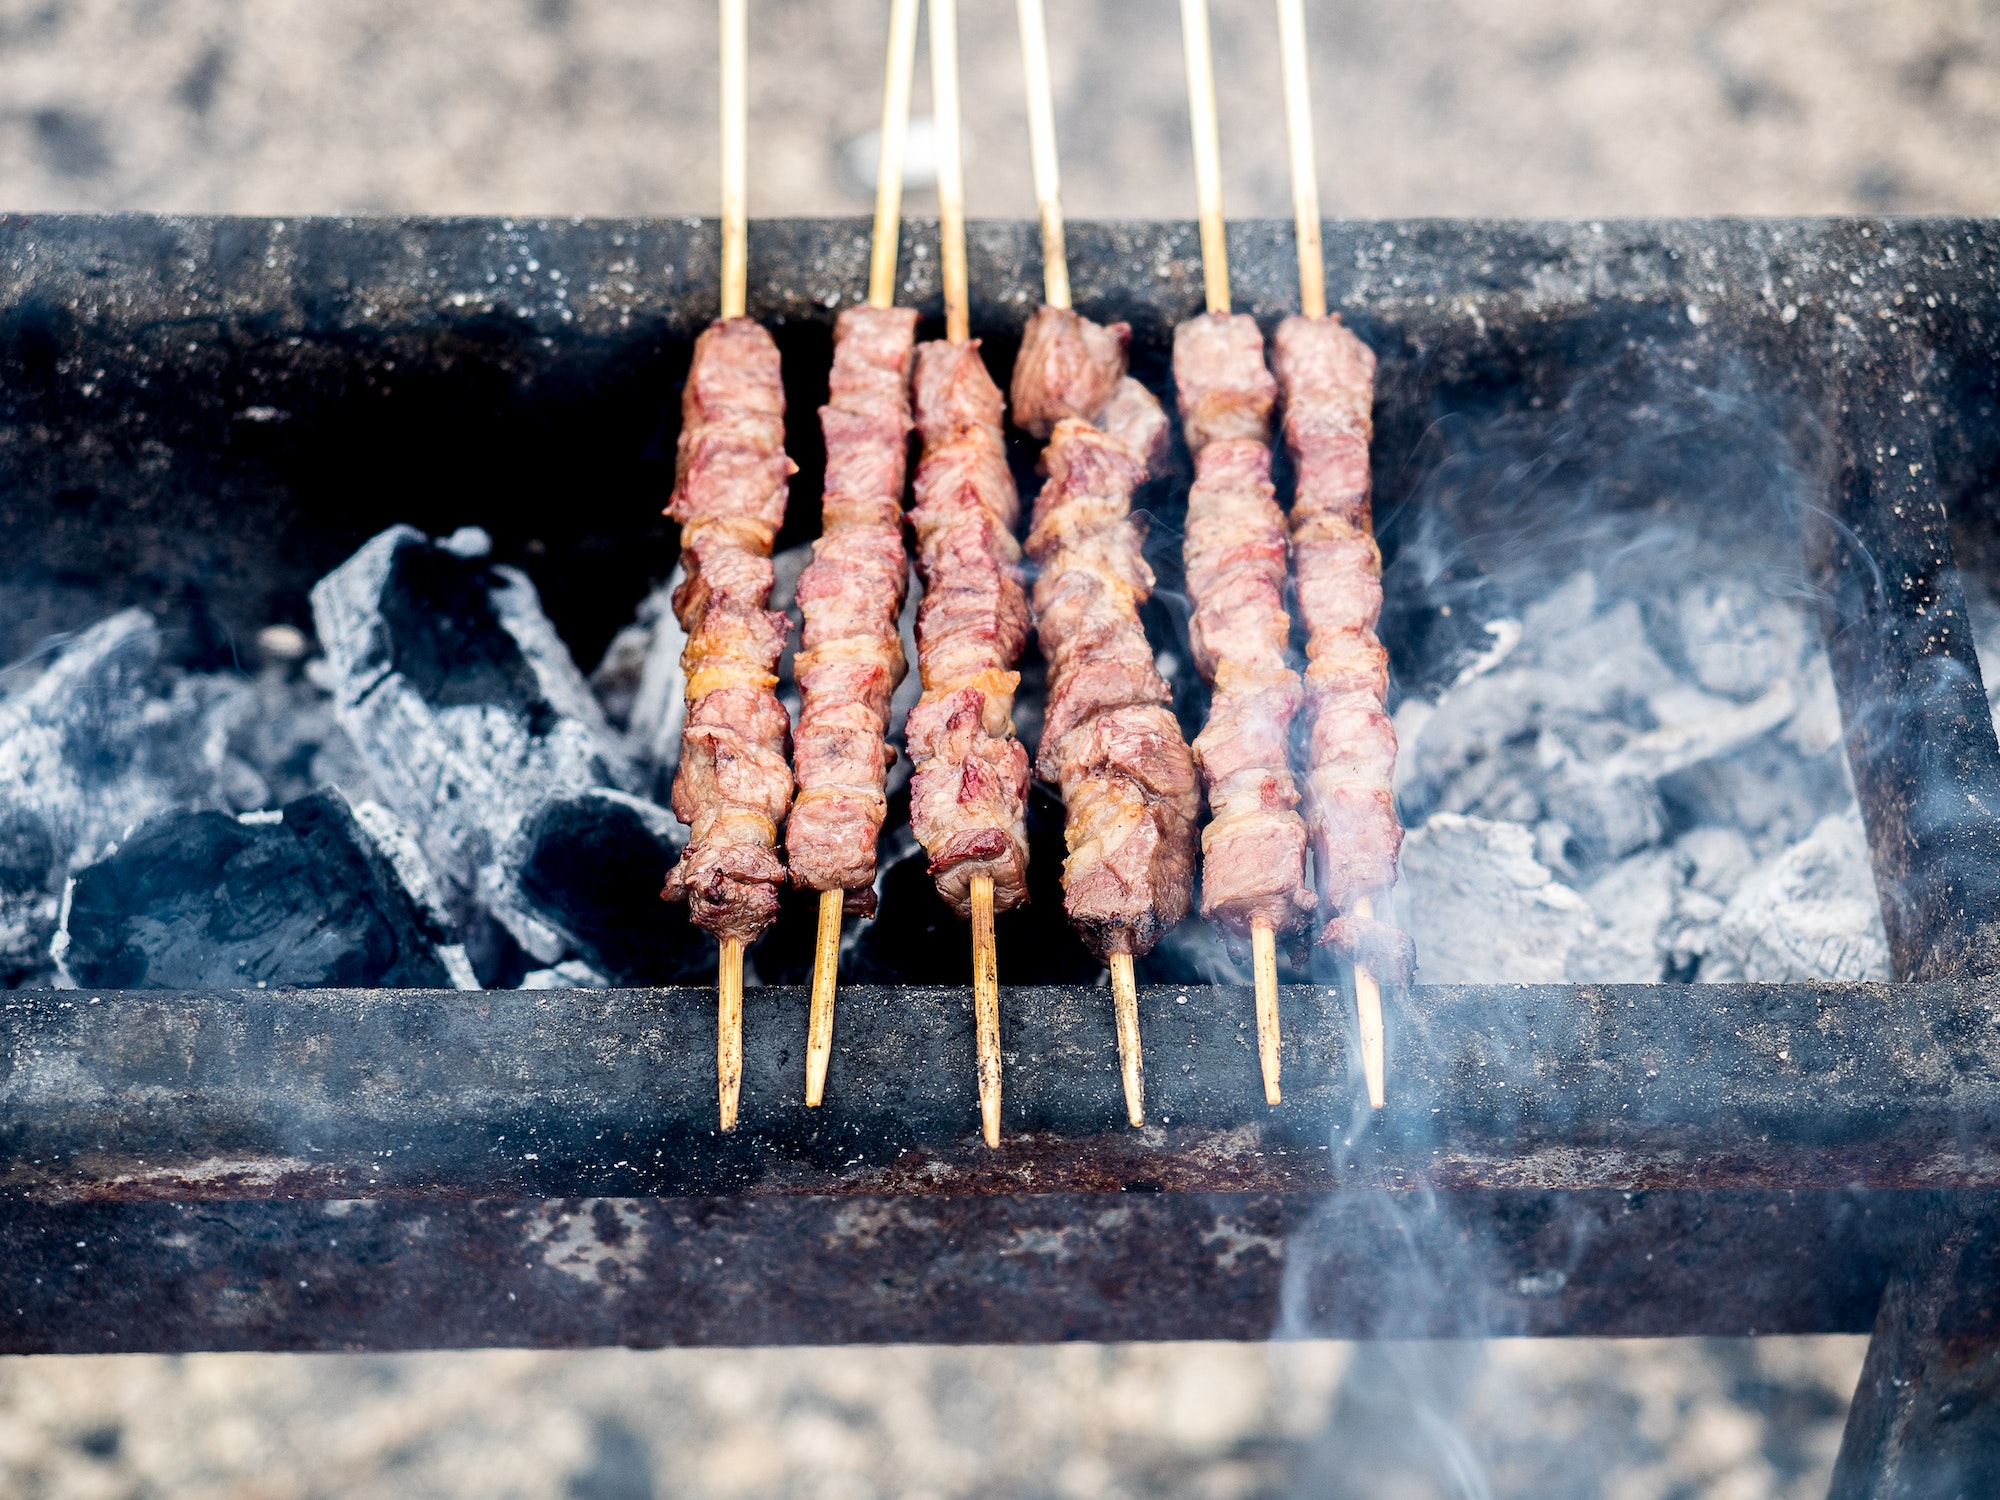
x=1618 y=794
x=98 y=737
x=467 y=751
x=571 y=974
x=641 y=686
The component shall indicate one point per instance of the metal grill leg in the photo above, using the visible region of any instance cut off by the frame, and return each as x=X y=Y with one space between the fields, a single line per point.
x=1925 y=1423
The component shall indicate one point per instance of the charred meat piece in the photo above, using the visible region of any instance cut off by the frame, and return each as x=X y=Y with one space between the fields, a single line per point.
x=851 y=655
x=968 y=800
x=1328 y=378
x=1108 y=737
x=1253 y=849
x=734 y=785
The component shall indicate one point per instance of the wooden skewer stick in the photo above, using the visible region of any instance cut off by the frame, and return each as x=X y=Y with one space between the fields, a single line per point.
x=1042 y=145
x=958 y=328
x=1215 y=279
x=986 y=1006
x=950 y=174
x=881 y=293
x=1207 y=153
x=895 y=140
x=1312 y=302
x=826 y=974
x=1131 y=1061
x=1368 y=1007
x=735 y=275
x=1055 y=291
x=1305 y=174
x=729 y=1030
x=1264 y=962
x=735 y=112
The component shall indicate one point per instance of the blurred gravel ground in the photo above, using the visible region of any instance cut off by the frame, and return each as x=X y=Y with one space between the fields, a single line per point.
x=1511 y=107
x=1731 y=1419
x=1514 y=107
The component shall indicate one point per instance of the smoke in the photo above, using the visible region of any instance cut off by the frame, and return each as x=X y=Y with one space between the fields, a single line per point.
x=1620 y=761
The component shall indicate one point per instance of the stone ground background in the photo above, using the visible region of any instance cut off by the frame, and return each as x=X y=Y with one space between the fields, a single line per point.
x=1523 y=107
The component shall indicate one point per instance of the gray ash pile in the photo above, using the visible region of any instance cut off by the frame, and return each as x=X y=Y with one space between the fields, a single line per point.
x=1628 y=791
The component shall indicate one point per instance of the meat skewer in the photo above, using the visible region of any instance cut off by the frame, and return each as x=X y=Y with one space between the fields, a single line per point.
x=851 y=594
x=1109 y=739
x=734 y=785
x=1253 y=849
x=1327 y=378
x=968 y=799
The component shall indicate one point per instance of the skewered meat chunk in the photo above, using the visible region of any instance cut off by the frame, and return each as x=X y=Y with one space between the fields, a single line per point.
x=968 y=800
x=1108 y=739
x=1068 y=367
x=1328 y=376
x=733 y=785
x=1072 y=367
x=851 y=655
x=1253 y=849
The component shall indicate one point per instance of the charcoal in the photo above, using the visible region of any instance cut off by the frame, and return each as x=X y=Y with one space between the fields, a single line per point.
x=1737 y=643
x=596 y=861
x=472 y=718
x=1483 y=909
x=1581 y=748
x=639 y=684
x=1632 y=901
x=1810 y=913
x=296 y=898
x=100 y=739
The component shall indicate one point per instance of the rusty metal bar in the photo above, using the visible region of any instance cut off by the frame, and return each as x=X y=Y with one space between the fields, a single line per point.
x=550 y=1094
x=1925 y=1420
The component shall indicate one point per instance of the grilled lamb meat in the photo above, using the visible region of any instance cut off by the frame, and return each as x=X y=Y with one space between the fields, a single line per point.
x=968 y=800
x=1328 y=378
x=851 y=655
x=1253 y=849
x=733 y=785
x=1108 y=737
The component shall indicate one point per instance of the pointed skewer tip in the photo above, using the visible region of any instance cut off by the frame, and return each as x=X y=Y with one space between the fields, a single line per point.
x=826 y=975
x=986 y=1006
x=1131 y=1059
x=1368 y=1011
x=1264 y=963
x=729 y=1030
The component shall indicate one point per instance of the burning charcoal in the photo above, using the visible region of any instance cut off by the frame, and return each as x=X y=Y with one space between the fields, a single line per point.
x=1767 y=789
x=302 y=897
x=1483 y=909
x=1632 y=901
x=574 y=974
x=288 y=735
x=1811 y=913
x=105 y=738
x=1738 y=642
x=640 y=684
x=595 y=863
x=471 y=717
x=1608 y=816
